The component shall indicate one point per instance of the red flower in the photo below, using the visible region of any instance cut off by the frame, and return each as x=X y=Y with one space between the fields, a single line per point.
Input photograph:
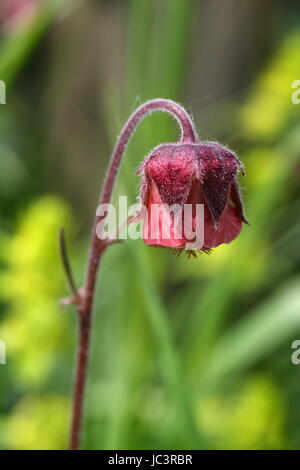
x=175 y=175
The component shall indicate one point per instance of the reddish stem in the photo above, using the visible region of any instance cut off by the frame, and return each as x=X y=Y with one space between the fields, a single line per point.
x=82 y=361
x=188 y=134
x=97 y=247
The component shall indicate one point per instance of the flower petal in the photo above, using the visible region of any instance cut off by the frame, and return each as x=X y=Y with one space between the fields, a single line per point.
x=229 y=228
x=218 y=167
x=235 y=197
x=171 y=167
x=159 y=227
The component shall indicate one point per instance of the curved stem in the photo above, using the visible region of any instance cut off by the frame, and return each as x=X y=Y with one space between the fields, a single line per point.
x=97 y=246
x=188 y=134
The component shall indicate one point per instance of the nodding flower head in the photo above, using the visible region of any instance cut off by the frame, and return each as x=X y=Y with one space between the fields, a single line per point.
x=175 y=175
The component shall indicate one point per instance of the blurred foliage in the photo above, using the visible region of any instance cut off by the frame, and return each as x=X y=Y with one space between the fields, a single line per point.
x=186 y=353
x=38 y=424
x=250 y=418
x=17 y=46
x=31 y=286
x=268 y=112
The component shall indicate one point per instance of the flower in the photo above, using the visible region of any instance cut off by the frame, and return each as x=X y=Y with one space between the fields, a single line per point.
x=176 y=176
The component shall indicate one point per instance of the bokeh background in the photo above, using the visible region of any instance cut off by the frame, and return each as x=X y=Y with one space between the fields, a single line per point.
x=186 y=354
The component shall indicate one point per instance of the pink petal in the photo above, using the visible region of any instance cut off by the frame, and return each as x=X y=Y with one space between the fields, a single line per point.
x=229 y=228
x=159 y=230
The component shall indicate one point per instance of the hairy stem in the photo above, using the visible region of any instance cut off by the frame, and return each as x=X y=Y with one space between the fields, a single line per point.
x=98 y=246
x=81 y=372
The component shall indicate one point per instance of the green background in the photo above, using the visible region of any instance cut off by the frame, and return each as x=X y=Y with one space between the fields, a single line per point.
x=186 y=353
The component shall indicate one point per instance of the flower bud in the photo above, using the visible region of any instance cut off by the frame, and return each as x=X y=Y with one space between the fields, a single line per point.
x=175 y=175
